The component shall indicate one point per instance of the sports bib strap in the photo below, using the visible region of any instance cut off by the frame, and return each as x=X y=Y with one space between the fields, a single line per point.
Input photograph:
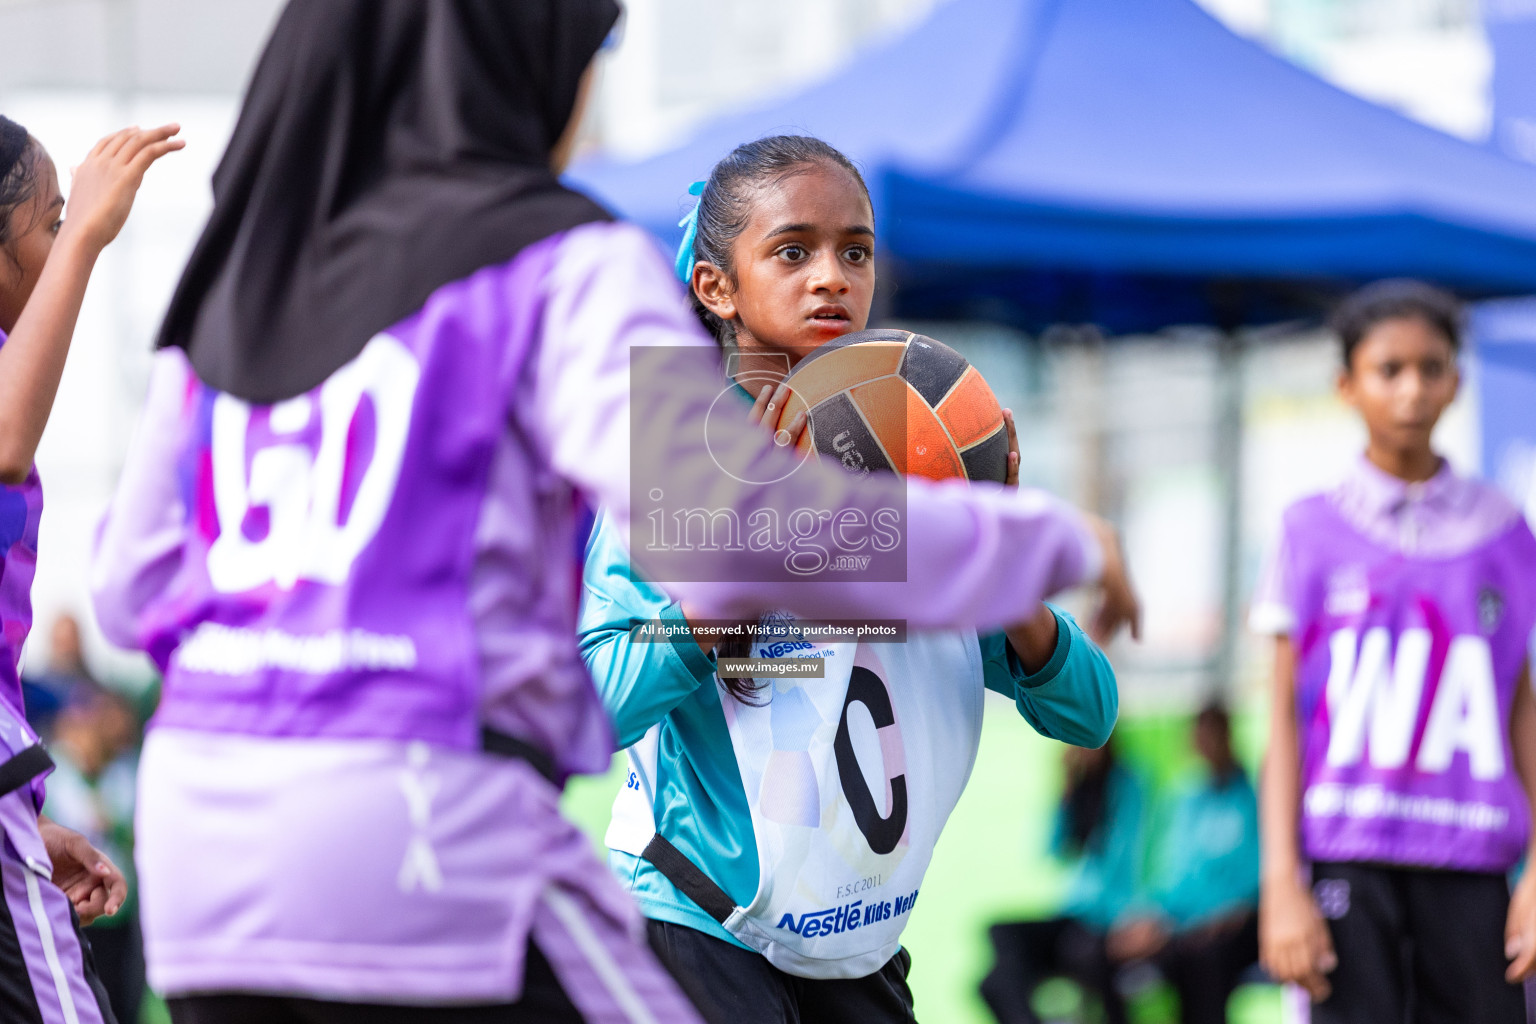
x=503 y=745
x=22 y=768
x=689 y=880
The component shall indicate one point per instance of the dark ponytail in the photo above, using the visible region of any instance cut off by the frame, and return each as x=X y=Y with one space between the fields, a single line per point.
x=744 y=688
x=18 y=173
x=726 y=203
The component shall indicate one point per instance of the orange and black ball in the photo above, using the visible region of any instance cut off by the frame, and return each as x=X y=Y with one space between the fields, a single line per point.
x=899 y=401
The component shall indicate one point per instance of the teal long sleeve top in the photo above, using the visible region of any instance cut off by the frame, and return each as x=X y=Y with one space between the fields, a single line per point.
x=1106 y=874
x=1208 y=863
x=700 y=803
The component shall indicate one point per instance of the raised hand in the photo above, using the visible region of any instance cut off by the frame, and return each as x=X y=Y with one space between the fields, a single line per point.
x=105 y=182
x=33 y=358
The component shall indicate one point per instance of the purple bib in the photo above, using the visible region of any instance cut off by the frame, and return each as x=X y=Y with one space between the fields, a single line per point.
x=1406 y=674
x=323 y=591
x=21 y=513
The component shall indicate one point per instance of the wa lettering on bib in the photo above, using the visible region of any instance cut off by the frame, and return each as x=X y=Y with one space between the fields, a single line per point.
x=1406 y=675
x=850 y=779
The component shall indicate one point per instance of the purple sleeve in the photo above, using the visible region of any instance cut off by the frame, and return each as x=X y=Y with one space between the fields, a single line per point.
x=977 y=555
x=140 y=540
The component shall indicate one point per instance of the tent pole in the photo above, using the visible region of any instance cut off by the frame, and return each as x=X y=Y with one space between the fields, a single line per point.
x=1229 y=469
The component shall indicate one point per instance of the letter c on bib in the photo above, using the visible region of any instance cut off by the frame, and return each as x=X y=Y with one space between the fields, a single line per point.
x=883 y=833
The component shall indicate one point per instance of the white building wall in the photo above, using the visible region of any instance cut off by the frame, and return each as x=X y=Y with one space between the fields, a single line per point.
x=1428 y=59
x=679 y=61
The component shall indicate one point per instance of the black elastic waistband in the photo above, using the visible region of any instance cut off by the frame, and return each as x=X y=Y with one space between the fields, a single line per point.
x=503 y=745
x=689 y=879
x=22 y=768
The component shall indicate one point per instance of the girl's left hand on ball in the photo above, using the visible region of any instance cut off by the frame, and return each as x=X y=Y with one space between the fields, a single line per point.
x=1013 y=449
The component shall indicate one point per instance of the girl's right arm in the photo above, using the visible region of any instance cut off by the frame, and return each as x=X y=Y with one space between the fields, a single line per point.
x=1294 y=943
x=32 y=359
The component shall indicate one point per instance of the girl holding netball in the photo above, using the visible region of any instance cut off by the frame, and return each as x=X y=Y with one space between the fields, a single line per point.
x=776 y=832
x=45 y=264
x=399 y=355
x=1402 y=753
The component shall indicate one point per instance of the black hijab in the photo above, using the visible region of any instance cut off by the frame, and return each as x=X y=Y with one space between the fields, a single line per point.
x=385 y=148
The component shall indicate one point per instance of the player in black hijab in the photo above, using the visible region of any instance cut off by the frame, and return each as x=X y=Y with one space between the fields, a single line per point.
x=386 y=147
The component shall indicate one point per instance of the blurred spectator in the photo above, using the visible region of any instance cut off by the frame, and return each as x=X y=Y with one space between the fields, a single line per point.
x=66 y=654
x=94 y=746
x=1199 y=922
x=45 y=692
x=1098 y=828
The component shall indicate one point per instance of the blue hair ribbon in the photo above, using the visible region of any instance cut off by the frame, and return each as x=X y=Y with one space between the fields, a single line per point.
x=690 y=224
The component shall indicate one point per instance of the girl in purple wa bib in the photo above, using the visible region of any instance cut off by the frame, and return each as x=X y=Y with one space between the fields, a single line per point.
x=1402 y=754
x=49 y=874
x=400 y=353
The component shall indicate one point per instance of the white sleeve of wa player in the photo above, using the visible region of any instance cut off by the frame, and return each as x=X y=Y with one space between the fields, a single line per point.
x=1271 y=612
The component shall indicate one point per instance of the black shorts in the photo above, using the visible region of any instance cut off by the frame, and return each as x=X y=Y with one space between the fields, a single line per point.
x=543 y=1002
x=731 y=985
x=1418 y=946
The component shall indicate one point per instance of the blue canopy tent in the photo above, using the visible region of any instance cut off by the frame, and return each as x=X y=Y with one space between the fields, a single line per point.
x=1504 y=331
x=1127 y=162
x=1506 y=354
x=1134 y=164
x=917 y=100
x=1511 y=28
